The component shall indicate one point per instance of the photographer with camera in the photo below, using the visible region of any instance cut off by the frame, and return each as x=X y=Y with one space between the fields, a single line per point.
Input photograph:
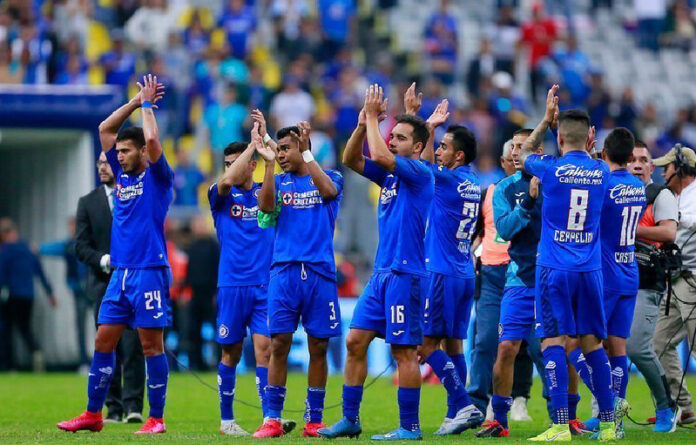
x=677 y=319
x=657 y=226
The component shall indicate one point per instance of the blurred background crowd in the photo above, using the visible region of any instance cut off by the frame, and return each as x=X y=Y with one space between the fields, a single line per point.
x=628 y=62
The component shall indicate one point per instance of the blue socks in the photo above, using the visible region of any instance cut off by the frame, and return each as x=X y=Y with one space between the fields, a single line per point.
x=352 y=396
x=100 y=374
x=409 y=401
x=157 y=375
x=573 y=400
x=447 y=372
x=556 y=371
x=226 y=383
x=578 y=361
x=275 y=395
x=598 y=362
x=261 y=382
x=619 y=375
x=501 y=407
x=315 y=404
x=459 y=361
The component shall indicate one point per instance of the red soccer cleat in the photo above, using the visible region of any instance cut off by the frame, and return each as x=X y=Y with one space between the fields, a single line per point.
x=493 y=429
x=86 y=421
x=270 y=428
x=310 y=429
x=577 y=428
x=153 y=425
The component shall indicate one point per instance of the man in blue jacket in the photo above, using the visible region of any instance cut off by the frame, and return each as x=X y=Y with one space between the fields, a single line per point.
x=18 y=265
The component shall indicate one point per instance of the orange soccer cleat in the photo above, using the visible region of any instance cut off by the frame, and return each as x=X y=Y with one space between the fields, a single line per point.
x=153 y=425
x=310 y=429
x=270 y=428
x=86 y=421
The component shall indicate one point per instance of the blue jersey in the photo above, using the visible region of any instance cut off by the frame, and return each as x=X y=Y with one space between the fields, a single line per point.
x=452 y=221
x=305 y=226
x=245 y=248
x=140 y=206
x=573 y=195
x=517 y=219
x=403 y=208
x=624 y=203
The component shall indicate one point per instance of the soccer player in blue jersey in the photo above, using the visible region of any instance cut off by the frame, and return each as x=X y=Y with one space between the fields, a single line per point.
x=243 y=274
x=391 y=305
x=624 y=203
x=569 y=292
x=517 y=214
x=448 y=261
x=138 y=293
x=303 y=273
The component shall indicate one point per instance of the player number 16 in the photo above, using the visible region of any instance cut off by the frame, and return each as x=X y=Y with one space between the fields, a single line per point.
x=397 y=314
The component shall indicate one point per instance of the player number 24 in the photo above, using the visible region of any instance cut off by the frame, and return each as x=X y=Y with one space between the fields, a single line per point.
x=151 y=297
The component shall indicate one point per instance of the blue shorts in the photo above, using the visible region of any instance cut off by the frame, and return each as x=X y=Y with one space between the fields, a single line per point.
x=619 y=313
x=295 y=291
x=392 y=306
x=516 y=313
x=448 y=305
x=239 y=308
x=138 y=298
x=569 y=303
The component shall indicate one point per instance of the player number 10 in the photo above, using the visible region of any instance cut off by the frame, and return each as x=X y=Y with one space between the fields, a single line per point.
x=397 y=314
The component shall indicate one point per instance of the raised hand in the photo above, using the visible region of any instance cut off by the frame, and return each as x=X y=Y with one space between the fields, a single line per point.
x=534 y=187
x=551 y=105
x=412 y=103
x=302 y=139
x=150 y=90
x=439 y=116
x=266 y=152
x=591 y=141
x=375 y=104
x=257 y=117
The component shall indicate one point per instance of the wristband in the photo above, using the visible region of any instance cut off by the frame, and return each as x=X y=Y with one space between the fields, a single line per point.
x=266 y=138
x=146 y=104
x=307 y=156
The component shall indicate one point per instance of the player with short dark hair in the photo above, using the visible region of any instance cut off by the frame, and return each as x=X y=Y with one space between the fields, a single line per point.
x=245 y=262
x=448 y=261
x=517 y=212
x=569 y=266
x=391 y=305
x=302 y=203
x=138 y=292
x=624 y=203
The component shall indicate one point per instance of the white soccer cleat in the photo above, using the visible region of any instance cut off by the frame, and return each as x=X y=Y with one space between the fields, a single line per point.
x=518 y=411
x=230 y=428
x=443 y=427
x=467 y=417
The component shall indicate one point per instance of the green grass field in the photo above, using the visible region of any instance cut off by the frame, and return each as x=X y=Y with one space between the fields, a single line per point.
x=30 y=405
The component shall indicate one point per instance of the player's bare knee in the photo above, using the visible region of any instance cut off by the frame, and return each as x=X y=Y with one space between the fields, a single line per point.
x=404 y=354
x=507 y=351
x=356 y=346
x=280 y=346
x=318 y=348
x=231 y=354
x=454 y=346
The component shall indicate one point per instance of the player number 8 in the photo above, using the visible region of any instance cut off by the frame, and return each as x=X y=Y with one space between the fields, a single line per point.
x=578 y=209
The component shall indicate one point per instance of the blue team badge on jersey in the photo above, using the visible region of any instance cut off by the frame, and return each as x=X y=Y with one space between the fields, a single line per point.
x=287 y=198
x=236 y=211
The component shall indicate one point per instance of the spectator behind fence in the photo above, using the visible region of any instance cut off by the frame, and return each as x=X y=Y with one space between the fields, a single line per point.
x=18 y=266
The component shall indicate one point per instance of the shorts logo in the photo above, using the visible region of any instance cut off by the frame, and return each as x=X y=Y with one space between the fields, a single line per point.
x=287 y=198
x=551 y=365
x=107 y=370
x=219 y=379
x=500 y=330
x=397 y=333
x=333 y=326
x=223 y=331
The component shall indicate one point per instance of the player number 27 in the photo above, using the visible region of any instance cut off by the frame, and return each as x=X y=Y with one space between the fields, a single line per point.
x=578 y=209
x=151 y=297
x=397 y=313
x=466 y=229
